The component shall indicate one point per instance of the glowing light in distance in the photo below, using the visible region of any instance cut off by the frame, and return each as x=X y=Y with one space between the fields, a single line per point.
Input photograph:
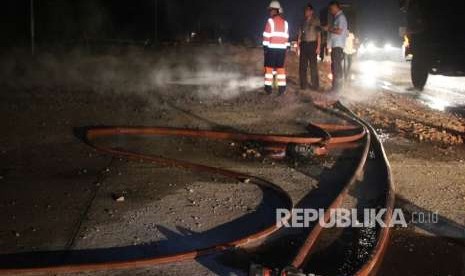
x=371 y=47
x=388 y=47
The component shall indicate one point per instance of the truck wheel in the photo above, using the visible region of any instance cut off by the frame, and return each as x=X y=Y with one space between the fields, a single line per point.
x=419 y=71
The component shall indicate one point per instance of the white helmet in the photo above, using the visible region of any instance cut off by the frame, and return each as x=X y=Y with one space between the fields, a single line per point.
x=276 y=5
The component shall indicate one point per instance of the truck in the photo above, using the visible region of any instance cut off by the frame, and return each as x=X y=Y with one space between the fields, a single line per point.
x=436 y=37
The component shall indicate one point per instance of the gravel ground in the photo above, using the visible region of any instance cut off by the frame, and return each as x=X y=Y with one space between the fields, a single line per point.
x=58 y=194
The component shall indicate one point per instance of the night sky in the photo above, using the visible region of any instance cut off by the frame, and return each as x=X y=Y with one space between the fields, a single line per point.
x=239 y=20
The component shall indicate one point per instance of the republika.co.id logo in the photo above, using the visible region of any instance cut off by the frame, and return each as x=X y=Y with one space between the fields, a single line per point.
x=340 y=217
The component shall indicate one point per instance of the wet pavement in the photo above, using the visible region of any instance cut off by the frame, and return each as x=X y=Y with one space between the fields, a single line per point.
x=391 y=73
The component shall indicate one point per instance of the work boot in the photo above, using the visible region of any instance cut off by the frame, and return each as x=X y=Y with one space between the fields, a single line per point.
x=268 y=90
x=282 y=91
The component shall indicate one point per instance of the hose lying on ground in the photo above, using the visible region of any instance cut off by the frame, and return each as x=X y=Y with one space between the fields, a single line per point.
x=324 y=139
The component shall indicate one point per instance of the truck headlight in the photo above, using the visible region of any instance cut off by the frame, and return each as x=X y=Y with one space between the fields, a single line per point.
x=388 y=47
x=371 y=47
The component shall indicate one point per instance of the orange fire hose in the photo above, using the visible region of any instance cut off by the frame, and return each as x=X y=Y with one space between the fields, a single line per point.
x=328 y=140
x=370 y=267
x=313 y=236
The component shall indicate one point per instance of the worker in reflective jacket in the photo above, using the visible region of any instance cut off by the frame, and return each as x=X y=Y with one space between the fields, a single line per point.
x=275 y=42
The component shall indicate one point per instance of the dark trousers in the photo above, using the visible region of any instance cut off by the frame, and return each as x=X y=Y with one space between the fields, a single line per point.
x=337 y=56
x=308 y=56
x=274 y=68
x=347 y=65
x=322 y=51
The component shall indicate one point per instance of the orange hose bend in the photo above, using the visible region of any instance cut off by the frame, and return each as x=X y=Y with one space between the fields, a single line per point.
x=93 y=133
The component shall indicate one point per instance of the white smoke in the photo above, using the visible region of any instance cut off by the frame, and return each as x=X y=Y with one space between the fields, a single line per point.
x=214 y=72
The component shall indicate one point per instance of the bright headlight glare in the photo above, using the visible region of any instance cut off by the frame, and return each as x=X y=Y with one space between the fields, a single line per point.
x=388 y=47
x=371 y=47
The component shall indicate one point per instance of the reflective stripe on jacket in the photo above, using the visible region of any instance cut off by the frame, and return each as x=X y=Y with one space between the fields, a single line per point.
x=276 y=35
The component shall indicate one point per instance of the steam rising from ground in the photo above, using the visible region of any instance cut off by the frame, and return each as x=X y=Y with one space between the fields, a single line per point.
x=220 y=84
x=199 y=71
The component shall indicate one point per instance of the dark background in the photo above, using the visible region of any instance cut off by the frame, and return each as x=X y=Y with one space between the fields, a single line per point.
x=68 y=21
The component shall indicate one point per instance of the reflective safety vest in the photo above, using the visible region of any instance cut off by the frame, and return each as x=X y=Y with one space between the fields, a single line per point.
x=276 y=35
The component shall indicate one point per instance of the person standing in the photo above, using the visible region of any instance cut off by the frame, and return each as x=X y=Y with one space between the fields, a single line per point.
x=275 y=44
x=310 y=44
x=337 y=40
x=349 y=51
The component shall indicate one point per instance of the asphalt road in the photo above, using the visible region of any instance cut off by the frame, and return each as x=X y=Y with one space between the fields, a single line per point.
x=386 y=70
